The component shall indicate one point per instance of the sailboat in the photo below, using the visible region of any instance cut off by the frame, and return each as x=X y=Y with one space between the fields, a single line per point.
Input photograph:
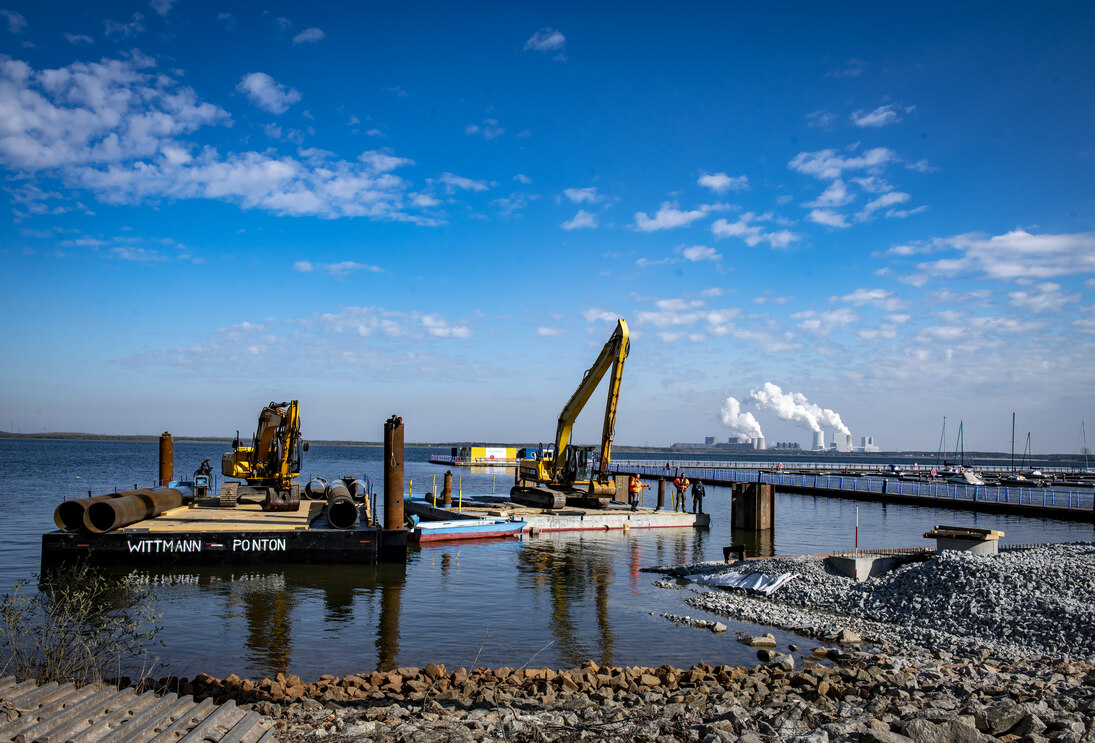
x=956 y=472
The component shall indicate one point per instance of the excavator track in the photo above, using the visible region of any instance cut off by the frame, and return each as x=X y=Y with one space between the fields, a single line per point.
x=538 y=497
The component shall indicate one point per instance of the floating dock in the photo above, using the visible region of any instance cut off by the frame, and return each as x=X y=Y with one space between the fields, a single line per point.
x=616 y=517
x=194 y=535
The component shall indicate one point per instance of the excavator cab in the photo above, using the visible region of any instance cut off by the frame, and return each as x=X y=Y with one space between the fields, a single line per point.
x=577 y=466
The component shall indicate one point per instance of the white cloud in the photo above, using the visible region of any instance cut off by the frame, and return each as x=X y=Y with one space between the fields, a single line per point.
x=345 y=268
x=383 y=161
x=546 y=40
x=581 y=220
x=881 y=116
x=753 y=234
x=489 y=129
x=266 y=93
x=580 y=195
x=1047 y=298
x=1016 y=255
x=882 y=298
x=827 y=217
x=549 y=332
x=669 y=216
x=125 y=30
x=453 y=183
x=309 y=36
x=701 y=253
x=522 y=178
x=77 y=39
x=720 y=182
x=821 y=119
x=424 y=200
x=852 y=68
x=303 y=266
x=596 y=314
x=163 y=7
x=882 y=202
x=436 y=326
x=17 y=23
x=835 y=195
x=873 y=184
x=515 y=202
x=824 y=323
x=828 y=165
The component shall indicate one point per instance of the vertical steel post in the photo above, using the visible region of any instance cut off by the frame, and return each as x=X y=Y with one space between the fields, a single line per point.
x=393 y=473
x=446 y=490
x=661 y=493
x=167 y=459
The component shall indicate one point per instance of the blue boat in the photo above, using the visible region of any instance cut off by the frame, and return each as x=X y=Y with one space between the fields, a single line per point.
x=436 y=531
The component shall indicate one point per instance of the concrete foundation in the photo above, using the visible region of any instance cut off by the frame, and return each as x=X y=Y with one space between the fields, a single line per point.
x=566 y=519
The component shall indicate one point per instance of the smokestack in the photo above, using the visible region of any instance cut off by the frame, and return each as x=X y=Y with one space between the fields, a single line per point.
x=819 y=440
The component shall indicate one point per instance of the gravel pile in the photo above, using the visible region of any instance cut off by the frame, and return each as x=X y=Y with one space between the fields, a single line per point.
x=1020 y=603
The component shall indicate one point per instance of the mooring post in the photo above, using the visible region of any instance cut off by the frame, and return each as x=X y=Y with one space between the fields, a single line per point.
x=446 y=490
x=661 y=493
x=393 y=473
x=167 y=459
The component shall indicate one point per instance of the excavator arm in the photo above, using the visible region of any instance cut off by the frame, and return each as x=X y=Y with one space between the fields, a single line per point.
x=272 y=462
x=612 y=356
x=550 y=480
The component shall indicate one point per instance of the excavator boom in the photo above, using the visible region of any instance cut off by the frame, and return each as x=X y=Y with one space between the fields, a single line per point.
x=271 y=464
x=549 y=481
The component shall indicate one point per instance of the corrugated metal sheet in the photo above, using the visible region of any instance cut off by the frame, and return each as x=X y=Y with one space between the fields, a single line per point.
x=66 y=713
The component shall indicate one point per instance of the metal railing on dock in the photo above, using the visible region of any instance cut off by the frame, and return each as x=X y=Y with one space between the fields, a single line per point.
x=849 y=485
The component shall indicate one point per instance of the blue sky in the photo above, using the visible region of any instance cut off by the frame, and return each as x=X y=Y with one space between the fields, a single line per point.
x=440 y=211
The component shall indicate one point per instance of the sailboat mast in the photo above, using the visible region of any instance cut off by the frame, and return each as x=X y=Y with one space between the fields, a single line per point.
x=1013 y=441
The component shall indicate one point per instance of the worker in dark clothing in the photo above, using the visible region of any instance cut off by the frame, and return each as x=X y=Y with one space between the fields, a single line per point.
x=697 y=496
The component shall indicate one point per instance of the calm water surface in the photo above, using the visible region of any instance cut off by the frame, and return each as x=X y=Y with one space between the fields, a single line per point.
x=552 y=600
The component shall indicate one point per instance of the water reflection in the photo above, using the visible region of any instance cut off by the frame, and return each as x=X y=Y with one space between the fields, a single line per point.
x=565 y=571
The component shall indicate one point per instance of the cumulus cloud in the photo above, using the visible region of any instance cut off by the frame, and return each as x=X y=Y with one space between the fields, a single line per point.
x=453 y=183
x=163 y=7
x=488 y=130
x=16 y=22
x=701 y=253
x=828 y=217
x=596 y=314
x=309 y=36
x=821 y=119
x=835 y=195
x=125 y=30
x=549 y=332
x=884 y=201
x=581 y=220
x=851 y=68
x=1016 y=255
x=721 y=182
x=77 y=39
x=829 y=165
x=580 y=195
x=882 y=298
x=266 y=93
x=669 y=216
x=1047 y=297
x=881 y=116
x=824 y=323
x=546 y=40
x=743 y=423
x=437 y=326
x=753 y=234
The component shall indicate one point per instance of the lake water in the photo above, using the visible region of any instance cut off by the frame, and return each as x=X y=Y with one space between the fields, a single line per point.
x=551 y=600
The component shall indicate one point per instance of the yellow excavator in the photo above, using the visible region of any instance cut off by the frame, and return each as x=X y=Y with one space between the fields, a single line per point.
x=270 y=465
x=562 y=476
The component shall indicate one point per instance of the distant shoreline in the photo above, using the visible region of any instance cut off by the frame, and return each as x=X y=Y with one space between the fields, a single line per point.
x=671 y=453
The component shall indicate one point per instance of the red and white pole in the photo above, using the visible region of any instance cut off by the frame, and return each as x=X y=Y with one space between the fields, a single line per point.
x=857 y=527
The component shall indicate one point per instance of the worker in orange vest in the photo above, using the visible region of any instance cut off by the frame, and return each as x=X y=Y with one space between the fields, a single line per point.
x=634 y=490
x=681 y=484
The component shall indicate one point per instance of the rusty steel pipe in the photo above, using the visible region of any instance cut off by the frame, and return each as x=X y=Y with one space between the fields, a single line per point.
x=316 y=489
x=341 y=509
x=446 y=489
x=358 y=491
x=69 y=516
x=167 y=459
x=132 y=506
x=393 y=473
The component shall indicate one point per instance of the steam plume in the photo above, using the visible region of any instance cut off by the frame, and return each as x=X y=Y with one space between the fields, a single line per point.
x=793 y=406
x=742 y=423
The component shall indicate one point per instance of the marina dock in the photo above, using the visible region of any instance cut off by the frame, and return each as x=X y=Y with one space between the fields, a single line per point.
x=1041 y=502
x=564 y=519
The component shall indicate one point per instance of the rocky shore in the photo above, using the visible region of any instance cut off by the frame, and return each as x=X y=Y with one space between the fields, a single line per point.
x=958 y=648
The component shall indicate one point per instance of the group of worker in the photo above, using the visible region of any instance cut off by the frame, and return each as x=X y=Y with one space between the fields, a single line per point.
x=680 y=485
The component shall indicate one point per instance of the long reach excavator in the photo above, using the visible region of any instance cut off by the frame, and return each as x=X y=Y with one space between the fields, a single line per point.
x=562 y=476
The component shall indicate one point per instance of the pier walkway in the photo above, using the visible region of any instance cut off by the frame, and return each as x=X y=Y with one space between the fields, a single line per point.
x=1056 y=503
